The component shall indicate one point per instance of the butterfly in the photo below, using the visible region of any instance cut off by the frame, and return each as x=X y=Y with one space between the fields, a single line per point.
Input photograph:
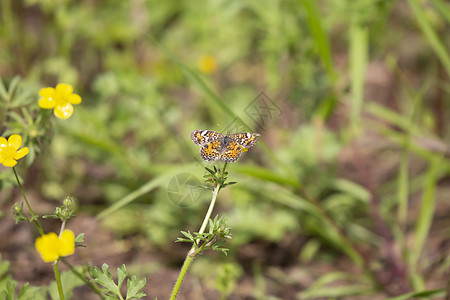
x=227 y=148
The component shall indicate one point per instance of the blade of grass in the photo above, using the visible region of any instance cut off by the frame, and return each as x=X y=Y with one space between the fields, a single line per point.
x=443 y=8
x=144 y=189
x=430 y=35
x=266 y=174
x=429 y=294
x=323 y=287
x=390 y=116
x=358 y=62
x=418 y=146
x=326 y=226
x=403 y=179
x=320 y=37
x=424 y=221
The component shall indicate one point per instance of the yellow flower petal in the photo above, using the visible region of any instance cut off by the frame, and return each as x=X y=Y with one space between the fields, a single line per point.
x=74 y=99
x=47 y=246
x=47 y=103
x=67 y=243
x=63 y=112
x=21 y=153
x=64 y=89
x=15 y=141
x=3 y=141
x=9 y=162
x=47 y=92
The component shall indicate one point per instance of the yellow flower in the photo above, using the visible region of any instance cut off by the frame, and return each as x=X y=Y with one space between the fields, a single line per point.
x=207 y=64
x=9 y=150
x=60 y=99
x=51 y=247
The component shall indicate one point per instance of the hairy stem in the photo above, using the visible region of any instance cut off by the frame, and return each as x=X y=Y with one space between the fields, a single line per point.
x=34 y=216
x=192 y=253
x=58 y=280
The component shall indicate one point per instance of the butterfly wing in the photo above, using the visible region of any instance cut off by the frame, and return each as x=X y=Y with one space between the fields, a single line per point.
x=246 y=139
x=203 y=137
x=211 y=151
x=231 y=152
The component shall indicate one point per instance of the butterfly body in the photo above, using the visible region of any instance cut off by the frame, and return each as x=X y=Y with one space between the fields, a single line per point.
x=215 y=146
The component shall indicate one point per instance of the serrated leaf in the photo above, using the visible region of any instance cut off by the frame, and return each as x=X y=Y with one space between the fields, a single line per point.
x=121 y=275
x=134 y=286
x=105 y=279
x=79 y=238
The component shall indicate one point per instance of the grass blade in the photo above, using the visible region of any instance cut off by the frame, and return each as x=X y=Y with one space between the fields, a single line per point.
x=424 y=220
x=320 y=37
x=358 y=62
x=430 y=35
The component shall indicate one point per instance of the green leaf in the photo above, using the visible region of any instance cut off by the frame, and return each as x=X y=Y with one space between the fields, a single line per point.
x=4 y=267
x=321 y=287
x=187 y=234
x=79 y=238
x=425 y=218
x=320 y=36
x=134 y=286
x=359 y=41
x=105 y=279
x=429 y=33
x=13 y=85
x=3 y=92
x=9 y=292
x=28 y=292
x=423 y=294
x=121 y=275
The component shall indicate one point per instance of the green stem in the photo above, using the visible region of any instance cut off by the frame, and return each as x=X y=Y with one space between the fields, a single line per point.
x=192 y=253
x=210 y=209
x=58 y=280
x=34 y=216
x=183 y=272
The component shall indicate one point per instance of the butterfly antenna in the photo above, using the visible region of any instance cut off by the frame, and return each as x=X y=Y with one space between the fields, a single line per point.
x=223 y=129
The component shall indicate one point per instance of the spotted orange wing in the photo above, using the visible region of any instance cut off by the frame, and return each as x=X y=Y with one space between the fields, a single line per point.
x=203 y=137
x=211 y=151
x=231 y=152
x=247 y=139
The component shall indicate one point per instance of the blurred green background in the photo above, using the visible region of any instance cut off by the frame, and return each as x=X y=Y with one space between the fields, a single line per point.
x=346 y=194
